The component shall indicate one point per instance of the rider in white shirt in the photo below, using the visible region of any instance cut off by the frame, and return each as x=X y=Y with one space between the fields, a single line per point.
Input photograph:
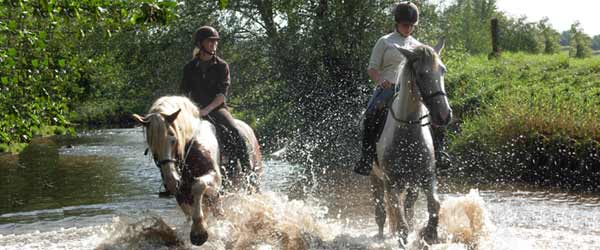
x=385 y=65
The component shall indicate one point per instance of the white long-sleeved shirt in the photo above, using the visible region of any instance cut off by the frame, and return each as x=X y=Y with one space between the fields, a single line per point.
x=388 y=60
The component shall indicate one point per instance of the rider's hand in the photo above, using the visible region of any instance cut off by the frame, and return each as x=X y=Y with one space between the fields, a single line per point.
x=204 y=112
x=385 y=84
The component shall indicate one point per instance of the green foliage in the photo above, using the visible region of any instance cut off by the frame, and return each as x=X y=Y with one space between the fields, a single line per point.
x=550 y=37
x=520 y=35
x=44 y=70
x=580 y=42
x=466 y=24
x=508 y=105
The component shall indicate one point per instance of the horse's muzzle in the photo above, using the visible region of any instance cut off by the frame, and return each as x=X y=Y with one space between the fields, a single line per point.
x=172 y=184
x=442 y=118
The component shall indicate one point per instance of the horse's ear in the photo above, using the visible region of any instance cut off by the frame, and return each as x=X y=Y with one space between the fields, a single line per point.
x=409 y=54
x=440 y=45
x=140 y=119
x=170 y=118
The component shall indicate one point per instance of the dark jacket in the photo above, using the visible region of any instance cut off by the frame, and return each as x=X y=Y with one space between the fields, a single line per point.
x=203 y=86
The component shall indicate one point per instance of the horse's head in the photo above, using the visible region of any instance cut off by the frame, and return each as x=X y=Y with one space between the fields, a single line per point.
x=166 y=144
x=429 y=70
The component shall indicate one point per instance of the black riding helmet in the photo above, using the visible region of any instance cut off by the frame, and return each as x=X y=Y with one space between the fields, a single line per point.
x=205 y=32
x=406 y=12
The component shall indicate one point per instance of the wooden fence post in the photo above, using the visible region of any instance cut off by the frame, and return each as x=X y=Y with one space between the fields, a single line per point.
x=495 y=36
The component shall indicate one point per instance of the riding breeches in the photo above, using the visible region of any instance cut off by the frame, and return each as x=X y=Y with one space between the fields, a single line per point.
x=374 y=120
x=235 y=139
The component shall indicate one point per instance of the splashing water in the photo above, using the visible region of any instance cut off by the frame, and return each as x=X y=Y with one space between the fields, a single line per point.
x=465 y=220
x=272 y=221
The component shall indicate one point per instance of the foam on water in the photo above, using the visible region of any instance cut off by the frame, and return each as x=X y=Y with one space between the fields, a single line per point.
x=272 y=221
x=64 y=238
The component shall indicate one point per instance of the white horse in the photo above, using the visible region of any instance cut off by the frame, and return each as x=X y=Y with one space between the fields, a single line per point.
x=186 y=150
x=405 y=155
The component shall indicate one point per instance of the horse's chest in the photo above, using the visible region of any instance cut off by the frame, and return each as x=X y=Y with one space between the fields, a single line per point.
x=198 y=163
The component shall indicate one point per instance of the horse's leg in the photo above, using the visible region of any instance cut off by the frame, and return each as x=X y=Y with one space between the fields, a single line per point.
x=378 y=197
x=206 y=185
x=433 y=207
x=398 y=224
x=412 y=193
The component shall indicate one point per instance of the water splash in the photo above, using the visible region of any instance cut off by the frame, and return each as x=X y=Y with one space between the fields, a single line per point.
x=464 y=219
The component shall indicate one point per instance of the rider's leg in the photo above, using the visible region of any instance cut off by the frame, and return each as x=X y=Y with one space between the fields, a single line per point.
x=223 y=117
x=372 y=125
x=368 y=145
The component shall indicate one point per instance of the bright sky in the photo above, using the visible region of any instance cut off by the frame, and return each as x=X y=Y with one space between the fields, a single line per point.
x=561 y=14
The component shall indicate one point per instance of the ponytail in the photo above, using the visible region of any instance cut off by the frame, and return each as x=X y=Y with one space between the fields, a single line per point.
x=195 y=52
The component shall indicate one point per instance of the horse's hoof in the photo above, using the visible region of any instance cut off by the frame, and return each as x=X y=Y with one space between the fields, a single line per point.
x=380 y=237
x=198 y=238
x=429 y=235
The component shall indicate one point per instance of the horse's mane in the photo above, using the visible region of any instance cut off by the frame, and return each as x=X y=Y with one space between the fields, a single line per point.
x=427 y=56
x=184 y=124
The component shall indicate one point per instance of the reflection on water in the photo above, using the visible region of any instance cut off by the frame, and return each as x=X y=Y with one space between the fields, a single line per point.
x=98 y=190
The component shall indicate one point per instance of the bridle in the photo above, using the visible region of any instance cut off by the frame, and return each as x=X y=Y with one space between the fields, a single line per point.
x=425 y=99
x=181 y=165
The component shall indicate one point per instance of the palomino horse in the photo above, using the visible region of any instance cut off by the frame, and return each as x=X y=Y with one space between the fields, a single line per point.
x=186 y=150
x=405 y=155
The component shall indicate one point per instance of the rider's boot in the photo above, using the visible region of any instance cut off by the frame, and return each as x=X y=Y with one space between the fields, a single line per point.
x=365 y=164
x=372 y=126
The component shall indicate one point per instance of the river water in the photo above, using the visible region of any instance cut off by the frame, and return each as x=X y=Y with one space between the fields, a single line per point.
x=98 y=190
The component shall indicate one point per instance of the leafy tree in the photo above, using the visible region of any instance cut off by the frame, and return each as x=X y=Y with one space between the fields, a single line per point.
x=466 y=23
x=43 y=71
x=550 y=36
x=580 y=42
x=520 y=35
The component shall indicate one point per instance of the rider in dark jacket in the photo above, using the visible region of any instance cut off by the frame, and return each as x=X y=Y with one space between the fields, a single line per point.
x=206 y=81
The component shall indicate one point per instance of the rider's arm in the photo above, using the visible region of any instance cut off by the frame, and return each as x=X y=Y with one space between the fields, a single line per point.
x=374 y=74
x=219 y=99
x=184 y=86
x=375 y=63
x=376 y=77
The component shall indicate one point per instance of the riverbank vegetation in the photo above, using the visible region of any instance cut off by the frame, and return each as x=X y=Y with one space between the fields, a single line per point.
x=298 y=73
x=533 y=118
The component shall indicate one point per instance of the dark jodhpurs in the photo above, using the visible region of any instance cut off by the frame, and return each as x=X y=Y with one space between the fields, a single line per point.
x=373 y=123
x=233 y=138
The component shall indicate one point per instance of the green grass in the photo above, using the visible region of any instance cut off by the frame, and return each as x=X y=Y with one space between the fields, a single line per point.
x=524 y=106
x=521 y=94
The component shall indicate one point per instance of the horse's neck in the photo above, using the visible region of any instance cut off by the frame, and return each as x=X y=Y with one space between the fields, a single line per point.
x=407 y=105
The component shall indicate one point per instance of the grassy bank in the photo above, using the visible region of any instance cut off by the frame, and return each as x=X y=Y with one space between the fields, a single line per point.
x=527 y=118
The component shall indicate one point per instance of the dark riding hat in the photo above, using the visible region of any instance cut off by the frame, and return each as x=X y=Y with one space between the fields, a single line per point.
x=205 y=32
x=406 y=12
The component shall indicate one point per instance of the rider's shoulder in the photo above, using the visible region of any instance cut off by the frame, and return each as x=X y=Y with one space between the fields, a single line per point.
x=388 y=36
x=191 y=63
x=412 y=41
x=219 y=60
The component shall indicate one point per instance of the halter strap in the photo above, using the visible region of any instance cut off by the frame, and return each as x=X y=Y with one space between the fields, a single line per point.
x=181 y=162
x=407 y=122
x=442 y=93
